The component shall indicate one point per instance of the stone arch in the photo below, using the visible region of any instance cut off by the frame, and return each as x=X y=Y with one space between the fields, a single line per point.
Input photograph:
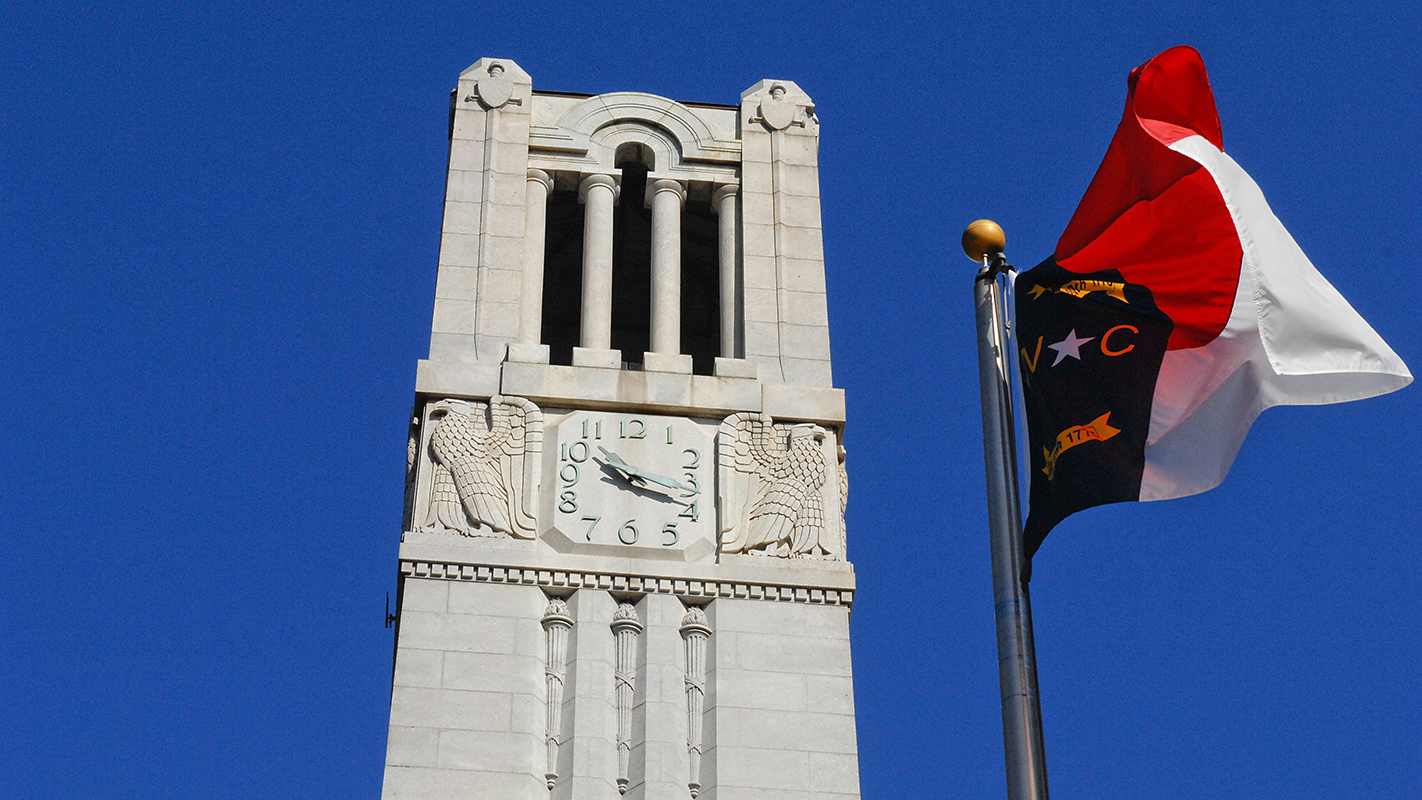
x=678 y=123
x=606 y=145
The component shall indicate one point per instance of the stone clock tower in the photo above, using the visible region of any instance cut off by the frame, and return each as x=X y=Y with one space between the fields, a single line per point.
x=623 y=569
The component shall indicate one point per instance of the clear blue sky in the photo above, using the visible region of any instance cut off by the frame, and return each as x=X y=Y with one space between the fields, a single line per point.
x=218 y=238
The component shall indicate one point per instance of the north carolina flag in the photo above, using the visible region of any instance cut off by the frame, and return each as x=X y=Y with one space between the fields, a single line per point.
x=1175 y=309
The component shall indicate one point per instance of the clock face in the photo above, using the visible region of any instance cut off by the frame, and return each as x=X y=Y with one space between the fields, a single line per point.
x=630 y=480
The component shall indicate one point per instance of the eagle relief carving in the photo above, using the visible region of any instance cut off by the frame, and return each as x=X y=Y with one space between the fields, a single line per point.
x=780 y=489
x=486 y=457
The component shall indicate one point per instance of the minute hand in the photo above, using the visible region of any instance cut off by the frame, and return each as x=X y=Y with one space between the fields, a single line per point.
x=618 y=463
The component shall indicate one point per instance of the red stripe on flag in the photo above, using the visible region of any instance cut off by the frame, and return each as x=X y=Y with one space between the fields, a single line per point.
x=1157 y=215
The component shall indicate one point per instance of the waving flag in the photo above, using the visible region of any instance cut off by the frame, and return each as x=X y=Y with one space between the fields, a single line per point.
x=1175 y=309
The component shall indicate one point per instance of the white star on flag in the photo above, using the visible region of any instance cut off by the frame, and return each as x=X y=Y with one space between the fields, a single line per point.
x=1070 y=346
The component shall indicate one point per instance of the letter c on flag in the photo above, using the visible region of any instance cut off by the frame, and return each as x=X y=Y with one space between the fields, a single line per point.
x=1128 y=348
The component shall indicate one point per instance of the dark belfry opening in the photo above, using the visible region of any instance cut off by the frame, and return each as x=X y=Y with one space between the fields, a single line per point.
x=632 y=259
x=700 y=285
x=563 y=276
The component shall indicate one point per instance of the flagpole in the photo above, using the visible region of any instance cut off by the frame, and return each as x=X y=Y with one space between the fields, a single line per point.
x=1016 y=656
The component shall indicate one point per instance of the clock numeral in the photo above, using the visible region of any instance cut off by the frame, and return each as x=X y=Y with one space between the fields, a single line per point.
x=695 y=459
x=669 y=430
x=596 y=429
x=569 y=473
x=567 y=502
x=695 y=486
x=690 y=512
x=639 y=433
x=670 y=527
x=578 y=455
x=594 y=521
x=622 y=532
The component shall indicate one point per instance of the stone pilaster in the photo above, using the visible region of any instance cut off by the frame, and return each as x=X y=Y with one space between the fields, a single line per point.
x=476 y=310
x=530 y=315
x=786 y=315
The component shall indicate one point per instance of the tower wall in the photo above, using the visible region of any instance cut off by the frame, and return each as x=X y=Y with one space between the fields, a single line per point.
x=625 y=576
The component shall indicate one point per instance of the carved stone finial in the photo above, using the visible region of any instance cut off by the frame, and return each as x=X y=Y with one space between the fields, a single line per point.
x=781 y=106
x=557 y=611
x=776 y=111
x=695 y=620
x=494 y=89
x=626 y=616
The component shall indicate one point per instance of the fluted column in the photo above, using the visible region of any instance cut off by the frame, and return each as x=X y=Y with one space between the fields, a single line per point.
x=599 y=194
x=666 y=198
x=535 y=229
x=556 y=624
x=724 y=201
x=626 y=627
x=695 y=630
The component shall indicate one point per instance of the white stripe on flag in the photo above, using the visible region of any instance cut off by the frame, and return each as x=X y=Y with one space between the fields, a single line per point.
x=1291 y=339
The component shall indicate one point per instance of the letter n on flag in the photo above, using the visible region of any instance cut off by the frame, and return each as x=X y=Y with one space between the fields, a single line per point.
x=1175 y=310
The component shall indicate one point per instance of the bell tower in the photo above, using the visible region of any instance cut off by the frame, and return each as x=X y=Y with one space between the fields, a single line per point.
x=623 y=569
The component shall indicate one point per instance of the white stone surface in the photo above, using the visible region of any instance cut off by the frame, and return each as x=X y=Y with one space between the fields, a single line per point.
x=467 y=691
x=590 y=710
x=599 y=358
x=667 y=362
x=529 y=353
x=666 y=198
x=598 y=194
x=591 y=500
x=537 y=186
x=723 y=202
x=659 y=753
x=780 y=710
x=471 y=706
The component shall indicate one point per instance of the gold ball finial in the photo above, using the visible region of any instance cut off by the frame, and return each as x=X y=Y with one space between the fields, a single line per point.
x=983 y=238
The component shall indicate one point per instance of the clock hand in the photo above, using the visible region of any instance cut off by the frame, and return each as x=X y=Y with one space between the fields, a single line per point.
x=637 y=474
x=628 y=471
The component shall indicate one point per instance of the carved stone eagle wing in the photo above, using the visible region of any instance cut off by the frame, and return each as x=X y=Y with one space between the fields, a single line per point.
x=772 y=477
x=484 y=454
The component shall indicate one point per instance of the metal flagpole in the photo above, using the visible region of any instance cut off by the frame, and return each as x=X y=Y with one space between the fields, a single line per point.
x=1016 y=656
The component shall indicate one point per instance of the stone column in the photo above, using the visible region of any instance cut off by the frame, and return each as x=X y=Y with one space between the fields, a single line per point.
x=665 y=198
x=599 y=194
x=535 y=223
x=724 y=203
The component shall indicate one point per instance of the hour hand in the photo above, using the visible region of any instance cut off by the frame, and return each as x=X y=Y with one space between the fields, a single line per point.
x=640 y=476
x=615 y=461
